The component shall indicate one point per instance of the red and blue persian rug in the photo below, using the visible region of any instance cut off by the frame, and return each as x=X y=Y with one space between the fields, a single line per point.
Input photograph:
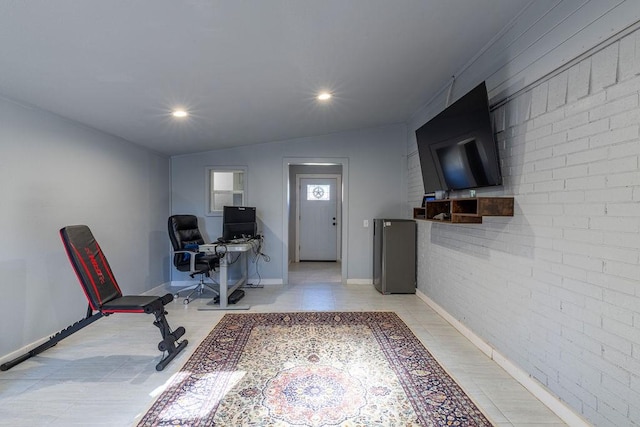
x=312 y=369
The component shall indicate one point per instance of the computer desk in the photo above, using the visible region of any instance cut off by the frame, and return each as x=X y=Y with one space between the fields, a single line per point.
x=229 y=248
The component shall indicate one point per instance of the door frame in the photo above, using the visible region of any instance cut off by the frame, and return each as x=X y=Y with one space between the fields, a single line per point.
x=338 y=179
x=286 y=198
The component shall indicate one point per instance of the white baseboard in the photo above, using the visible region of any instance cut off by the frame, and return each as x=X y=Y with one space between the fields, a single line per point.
x=177 y=284
x=25 y=349
x=267 y=282
x=359 y=282
x=536 y=388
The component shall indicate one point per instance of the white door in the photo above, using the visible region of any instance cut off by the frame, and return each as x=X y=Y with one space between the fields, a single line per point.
x=318 y=219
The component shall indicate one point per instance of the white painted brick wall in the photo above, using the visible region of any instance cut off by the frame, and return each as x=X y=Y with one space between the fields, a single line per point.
x=556 y=288
x=557 y=91
x=416 y=187
x=579 y=77
x=604 y=68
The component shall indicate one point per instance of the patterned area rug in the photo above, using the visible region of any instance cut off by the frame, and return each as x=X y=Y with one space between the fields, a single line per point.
x=312 y=369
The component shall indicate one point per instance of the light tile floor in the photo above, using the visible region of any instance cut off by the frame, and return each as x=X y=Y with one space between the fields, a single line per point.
x=105 y=374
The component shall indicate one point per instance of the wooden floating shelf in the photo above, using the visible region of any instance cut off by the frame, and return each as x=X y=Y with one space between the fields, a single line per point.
x=464 y=211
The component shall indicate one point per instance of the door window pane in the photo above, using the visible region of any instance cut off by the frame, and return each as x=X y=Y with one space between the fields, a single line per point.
x=318 y=192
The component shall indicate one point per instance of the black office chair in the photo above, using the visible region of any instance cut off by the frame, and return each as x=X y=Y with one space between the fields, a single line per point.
x=185 y=237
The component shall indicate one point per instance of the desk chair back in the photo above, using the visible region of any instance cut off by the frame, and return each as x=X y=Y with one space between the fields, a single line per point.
x=91 y=266
x=184 y=235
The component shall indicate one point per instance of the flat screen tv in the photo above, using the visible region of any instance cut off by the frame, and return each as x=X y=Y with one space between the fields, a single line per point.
x=238 y=222
x=457 y=147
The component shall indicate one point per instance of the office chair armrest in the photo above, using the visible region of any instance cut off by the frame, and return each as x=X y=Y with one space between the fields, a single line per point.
x=192 y=259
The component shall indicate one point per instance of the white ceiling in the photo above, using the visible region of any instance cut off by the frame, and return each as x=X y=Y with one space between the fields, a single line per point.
x=247 y=71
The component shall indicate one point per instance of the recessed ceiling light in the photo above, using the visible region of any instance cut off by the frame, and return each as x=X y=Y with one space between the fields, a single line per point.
x=324 y=96
x=180 y=113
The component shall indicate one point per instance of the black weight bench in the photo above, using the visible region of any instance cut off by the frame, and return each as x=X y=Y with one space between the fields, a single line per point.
x=105 y=298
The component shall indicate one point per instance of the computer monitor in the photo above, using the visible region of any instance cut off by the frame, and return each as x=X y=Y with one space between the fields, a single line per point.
x=238 y=222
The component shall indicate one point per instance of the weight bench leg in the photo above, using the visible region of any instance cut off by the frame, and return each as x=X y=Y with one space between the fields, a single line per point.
x=169 y=339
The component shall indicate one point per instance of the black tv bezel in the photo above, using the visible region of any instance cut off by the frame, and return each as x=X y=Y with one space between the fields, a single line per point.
x=445 y=130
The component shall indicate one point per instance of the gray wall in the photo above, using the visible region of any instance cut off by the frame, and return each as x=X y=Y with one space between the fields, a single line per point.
x=55 y=173
x=555 y=288
x=376 y=170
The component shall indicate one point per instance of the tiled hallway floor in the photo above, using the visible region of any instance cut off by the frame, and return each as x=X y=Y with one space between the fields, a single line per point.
x=105 y=374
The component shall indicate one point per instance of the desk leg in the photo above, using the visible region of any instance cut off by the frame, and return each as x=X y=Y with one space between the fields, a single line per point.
x=223 y=304
x=224 y=280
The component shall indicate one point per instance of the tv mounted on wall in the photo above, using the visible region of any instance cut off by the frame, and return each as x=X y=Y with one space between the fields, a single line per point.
x=457 y=147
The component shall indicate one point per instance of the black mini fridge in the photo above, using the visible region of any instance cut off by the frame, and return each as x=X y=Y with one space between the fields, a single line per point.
x=394 y=256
